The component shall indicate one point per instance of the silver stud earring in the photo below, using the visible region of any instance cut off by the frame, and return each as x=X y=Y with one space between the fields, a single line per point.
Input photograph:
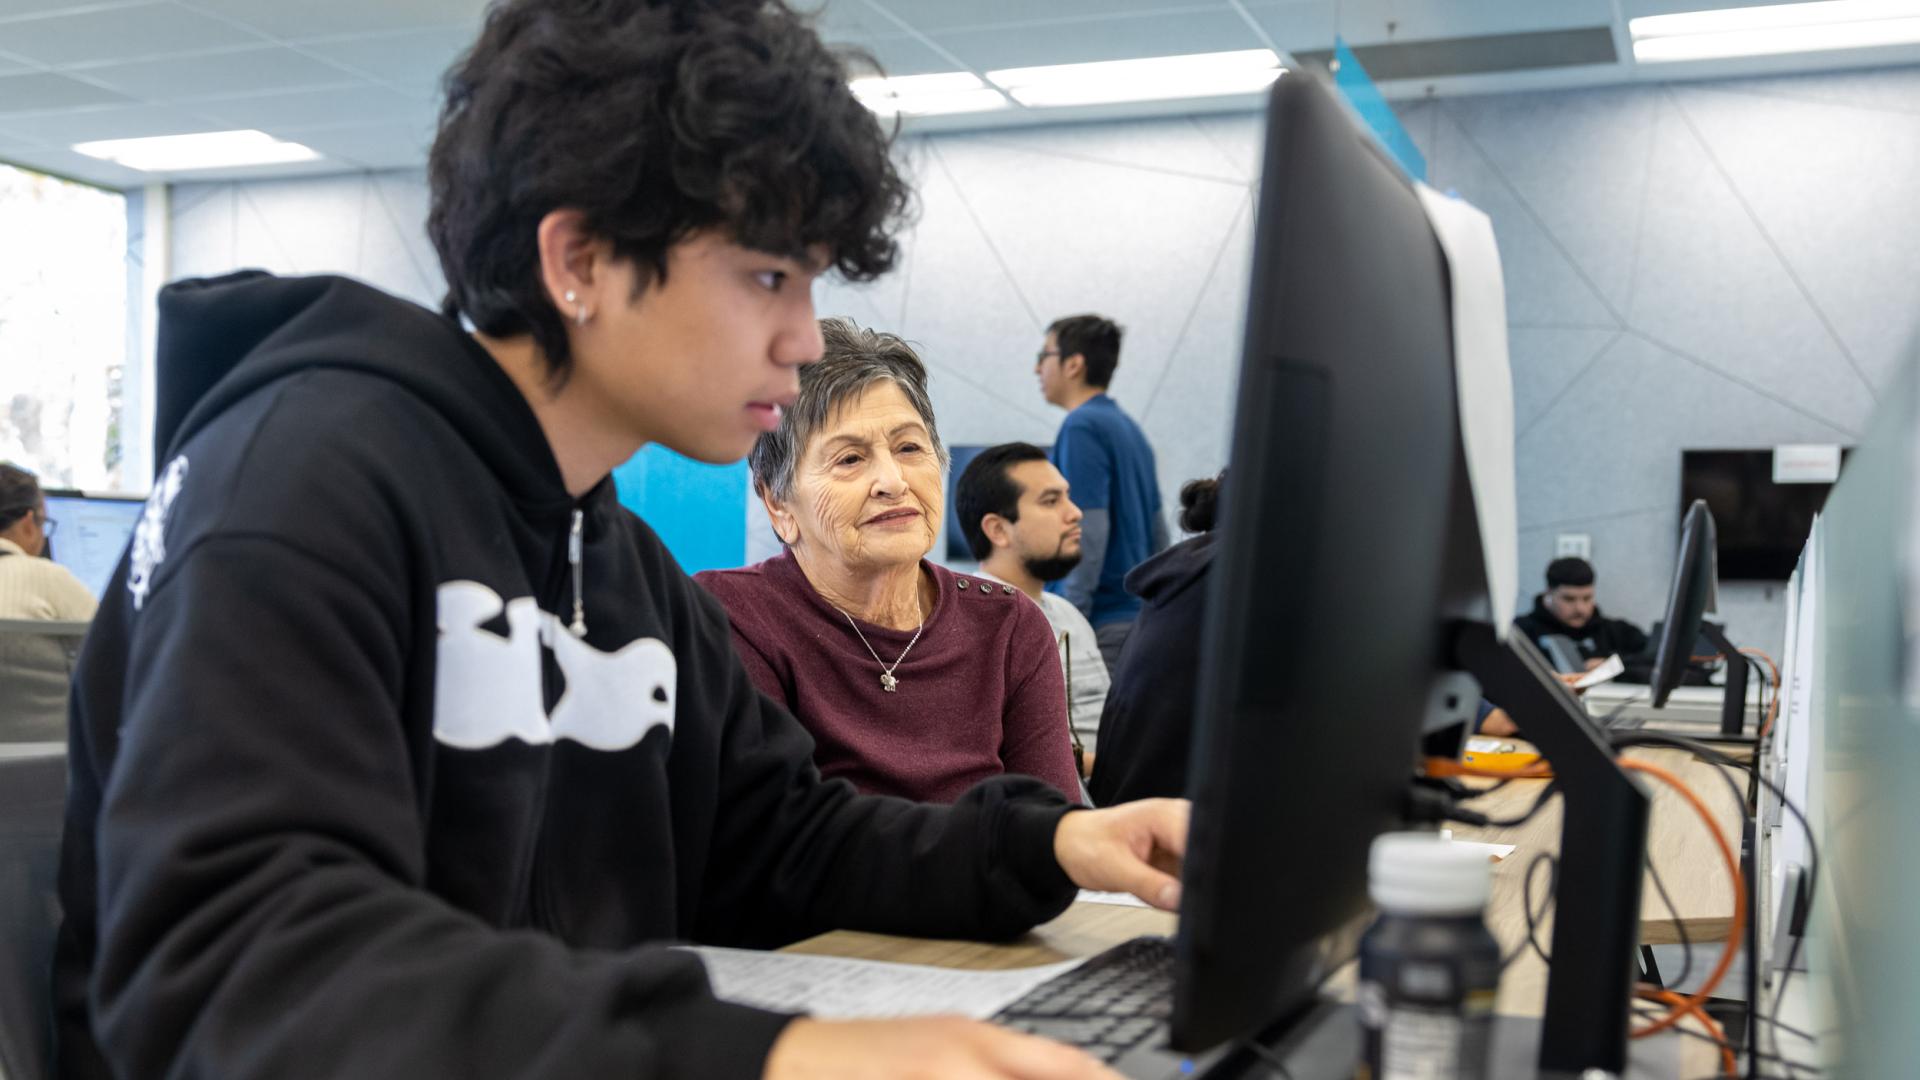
x=579 y=309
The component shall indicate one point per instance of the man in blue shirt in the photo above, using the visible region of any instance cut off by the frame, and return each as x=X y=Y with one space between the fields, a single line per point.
x=1109 y=466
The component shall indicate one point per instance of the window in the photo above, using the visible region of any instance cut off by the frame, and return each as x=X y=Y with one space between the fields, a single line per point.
x=63 y=338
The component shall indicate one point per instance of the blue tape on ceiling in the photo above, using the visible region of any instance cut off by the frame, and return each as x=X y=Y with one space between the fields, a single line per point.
x=1357 y=87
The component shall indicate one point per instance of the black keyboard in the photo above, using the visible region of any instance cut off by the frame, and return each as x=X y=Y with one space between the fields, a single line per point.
x=1114 y=1002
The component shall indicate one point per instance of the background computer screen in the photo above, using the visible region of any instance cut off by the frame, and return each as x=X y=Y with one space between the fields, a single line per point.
x=92 y=534
x=1760 y=525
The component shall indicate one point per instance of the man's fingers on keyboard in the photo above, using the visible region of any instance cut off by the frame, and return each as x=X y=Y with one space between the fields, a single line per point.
x=1029 y=1057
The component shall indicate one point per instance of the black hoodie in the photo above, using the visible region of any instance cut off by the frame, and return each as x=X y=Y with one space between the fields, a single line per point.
x=349 y=797
x=1600 y=637
x=1146 y=724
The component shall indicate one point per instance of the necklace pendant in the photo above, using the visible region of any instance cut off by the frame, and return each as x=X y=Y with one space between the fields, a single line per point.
x=888 y=682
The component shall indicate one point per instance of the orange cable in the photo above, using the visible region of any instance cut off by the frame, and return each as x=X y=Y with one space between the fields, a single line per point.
x=1728 y=1063
x=1448 y=767
x=1773 y=707
x=1739 y=922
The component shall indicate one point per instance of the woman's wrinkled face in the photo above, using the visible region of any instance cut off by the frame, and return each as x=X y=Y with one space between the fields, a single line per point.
x=867 y=487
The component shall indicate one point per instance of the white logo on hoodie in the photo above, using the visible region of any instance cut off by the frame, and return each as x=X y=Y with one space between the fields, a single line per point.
x=150 y=535
x=487 y=688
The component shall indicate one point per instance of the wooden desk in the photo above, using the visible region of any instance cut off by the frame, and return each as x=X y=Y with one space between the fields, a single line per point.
x=1677 y=844
x=1085 y=929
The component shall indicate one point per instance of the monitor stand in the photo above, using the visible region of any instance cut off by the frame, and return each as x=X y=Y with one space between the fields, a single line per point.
x=1603 y=854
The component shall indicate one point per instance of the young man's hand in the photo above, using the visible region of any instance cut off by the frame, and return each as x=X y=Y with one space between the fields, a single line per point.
x=1133 y=848
x=931 y=1048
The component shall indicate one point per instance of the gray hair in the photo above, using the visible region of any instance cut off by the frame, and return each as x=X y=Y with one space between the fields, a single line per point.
x=856 y=359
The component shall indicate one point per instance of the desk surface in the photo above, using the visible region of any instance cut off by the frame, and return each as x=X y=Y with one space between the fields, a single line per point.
x=1677 y=845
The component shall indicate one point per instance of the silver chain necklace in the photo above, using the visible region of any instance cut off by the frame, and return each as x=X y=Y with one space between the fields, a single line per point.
x=887 y=681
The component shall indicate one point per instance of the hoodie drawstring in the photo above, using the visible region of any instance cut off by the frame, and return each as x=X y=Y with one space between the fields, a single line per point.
x=576 y=545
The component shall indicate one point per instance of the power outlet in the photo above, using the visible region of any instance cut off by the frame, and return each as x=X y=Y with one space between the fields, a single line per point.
x=1575 y=545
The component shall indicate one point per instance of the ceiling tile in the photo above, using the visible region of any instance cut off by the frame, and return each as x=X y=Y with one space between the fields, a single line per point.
x=840 y=19
x=384 y=146
x=38 y=91
x=118 y=34
x=928 y=15
x=244 y=71
x=27 y=9
x=340 y=107
x=905 y=56
x=411 y=59
x=1117 y=39
x=112 y=122
x=291 y=21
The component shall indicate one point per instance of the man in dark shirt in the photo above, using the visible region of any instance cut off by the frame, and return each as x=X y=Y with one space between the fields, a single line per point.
x=1568 y=609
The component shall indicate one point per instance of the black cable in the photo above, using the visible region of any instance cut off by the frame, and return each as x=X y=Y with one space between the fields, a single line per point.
x=1265 y=1054
x=1679 y=926
x=1526 y=900
x=1715 y=757
x=1486 y=791
x=1704 y=1037
x=1607 y=720
x=1794 y=1031
x=1786 y=973
x=1526 y=815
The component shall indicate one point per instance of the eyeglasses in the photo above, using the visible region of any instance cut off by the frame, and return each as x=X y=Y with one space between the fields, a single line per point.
x=1044 y=353
x=48 y=525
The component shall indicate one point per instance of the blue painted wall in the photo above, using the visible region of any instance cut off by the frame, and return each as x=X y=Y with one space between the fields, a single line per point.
x=699 y=510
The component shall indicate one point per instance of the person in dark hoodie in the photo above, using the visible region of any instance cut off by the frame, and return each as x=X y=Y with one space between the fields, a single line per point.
x=399 y=748
x=1147 y=723
x=1568 y=609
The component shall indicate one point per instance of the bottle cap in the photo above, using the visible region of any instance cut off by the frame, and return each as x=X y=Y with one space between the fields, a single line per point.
x=1418 y=873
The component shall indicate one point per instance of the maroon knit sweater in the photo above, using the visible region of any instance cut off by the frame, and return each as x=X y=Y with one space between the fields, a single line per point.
x=980 y=694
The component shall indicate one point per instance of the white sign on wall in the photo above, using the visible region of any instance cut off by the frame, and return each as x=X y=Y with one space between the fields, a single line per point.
x=1806 y=463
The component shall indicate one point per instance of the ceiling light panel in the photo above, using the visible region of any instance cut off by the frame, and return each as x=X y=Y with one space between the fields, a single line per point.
x=205 y=150
x=939 y=94
x=1775 y=29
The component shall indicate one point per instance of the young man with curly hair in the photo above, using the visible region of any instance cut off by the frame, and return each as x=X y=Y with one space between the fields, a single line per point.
x=399 y=747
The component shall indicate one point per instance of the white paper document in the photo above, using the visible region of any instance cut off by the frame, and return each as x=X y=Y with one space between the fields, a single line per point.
x=1120 y=899
x=1611 y=668
x=836 y=988
x=1485 y=387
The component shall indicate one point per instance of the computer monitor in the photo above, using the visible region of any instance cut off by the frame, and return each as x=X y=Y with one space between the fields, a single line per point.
x=1689 y=598
x=1325 y=633
x=1334 y=636
x=93 y=533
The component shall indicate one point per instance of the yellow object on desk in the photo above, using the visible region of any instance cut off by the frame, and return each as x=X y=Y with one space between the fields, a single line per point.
x=1497 y=754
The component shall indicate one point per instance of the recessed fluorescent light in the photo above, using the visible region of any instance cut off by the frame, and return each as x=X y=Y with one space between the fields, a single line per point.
x=1157 y=78
x=928 y=95
x=206 y=150
x=1775 y=28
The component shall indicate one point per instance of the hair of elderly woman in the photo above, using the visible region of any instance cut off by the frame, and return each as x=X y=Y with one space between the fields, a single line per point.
x=856 y=360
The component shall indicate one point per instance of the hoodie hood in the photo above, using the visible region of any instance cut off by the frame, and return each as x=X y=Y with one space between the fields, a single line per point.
x=220 y=339
x=1173 y=571
x=1551 y=623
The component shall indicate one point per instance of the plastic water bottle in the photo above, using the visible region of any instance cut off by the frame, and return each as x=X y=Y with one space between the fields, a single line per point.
x=1428 y=966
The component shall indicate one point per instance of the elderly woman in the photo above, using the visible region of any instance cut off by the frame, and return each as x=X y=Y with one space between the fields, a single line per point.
x=914 y=681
